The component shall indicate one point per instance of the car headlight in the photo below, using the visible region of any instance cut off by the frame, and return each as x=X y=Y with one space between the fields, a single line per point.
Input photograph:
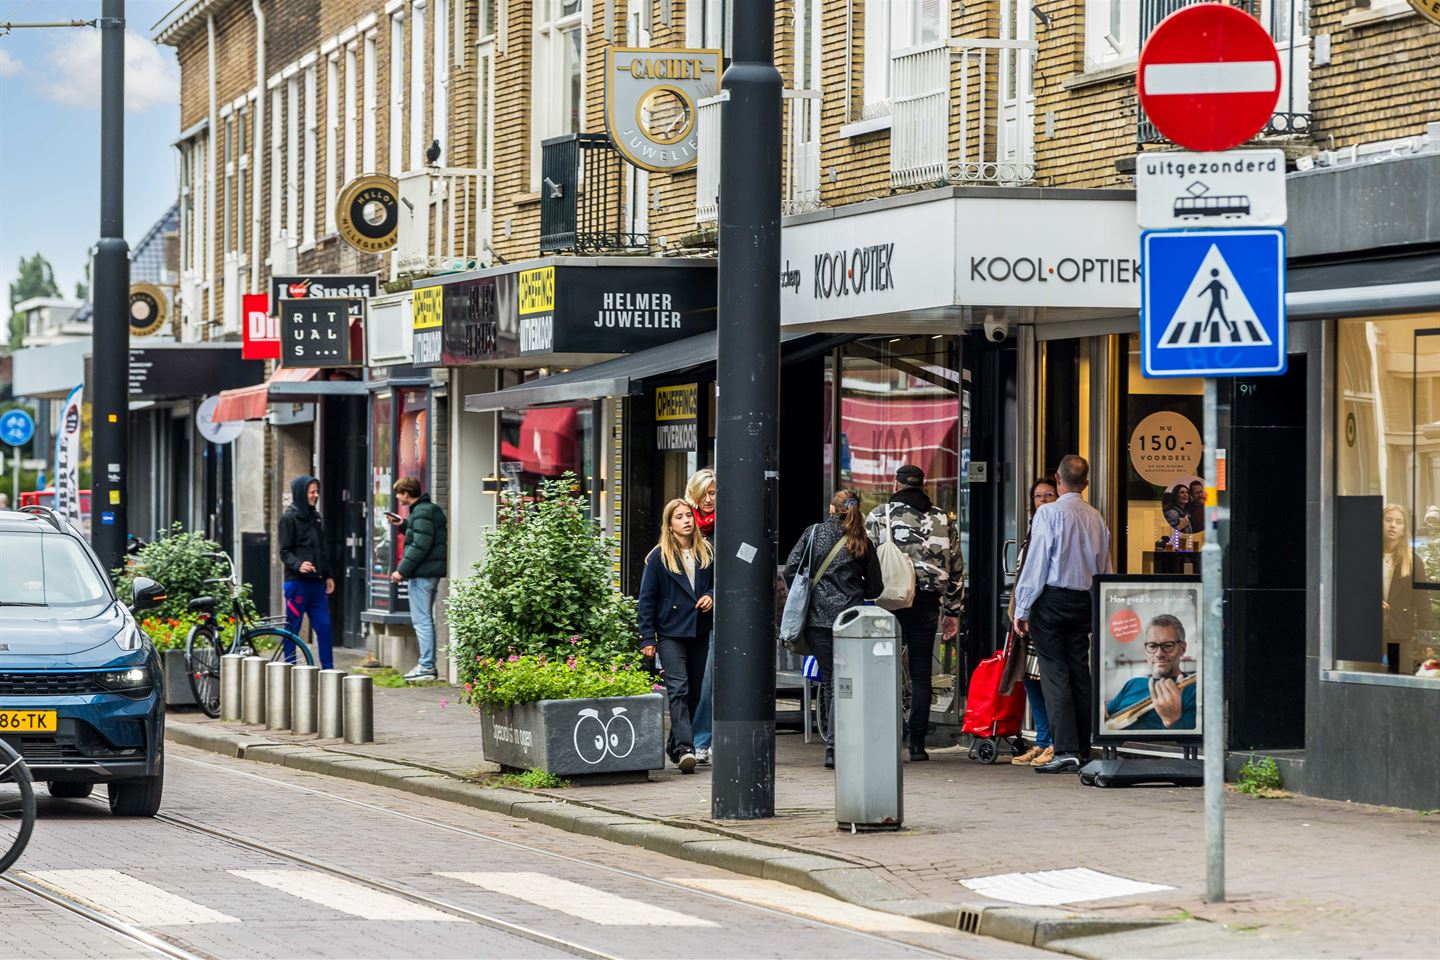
x=129 y=680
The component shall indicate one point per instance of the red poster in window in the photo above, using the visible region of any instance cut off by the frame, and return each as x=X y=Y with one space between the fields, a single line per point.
x=262 y=331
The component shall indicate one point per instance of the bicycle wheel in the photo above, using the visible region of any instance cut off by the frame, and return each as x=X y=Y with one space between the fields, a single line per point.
x=17 y=806
x=202 y=665
x=277 y=638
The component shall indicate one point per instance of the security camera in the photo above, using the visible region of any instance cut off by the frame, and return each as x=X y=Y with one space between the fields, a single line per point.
x=996 y=329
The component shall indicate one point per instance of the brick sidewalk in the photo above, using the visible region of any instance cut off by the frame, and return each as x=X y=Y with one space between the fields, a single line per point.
x=1329 y=879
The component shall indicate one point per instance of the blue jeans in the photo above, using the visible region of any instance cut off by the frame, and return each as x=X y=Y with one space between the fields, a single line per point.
x=308 y=598
x=700 y=724
x=422 y=617
x=1037 y=710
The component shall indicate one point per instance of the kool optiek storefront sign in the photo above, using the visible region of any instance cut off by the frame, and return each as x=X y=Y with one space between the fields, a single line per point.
x=563 y=307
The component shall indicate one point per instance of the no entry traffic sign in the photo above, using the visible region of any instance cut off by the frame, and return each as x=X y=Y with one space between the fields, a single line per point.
x=1209 y=77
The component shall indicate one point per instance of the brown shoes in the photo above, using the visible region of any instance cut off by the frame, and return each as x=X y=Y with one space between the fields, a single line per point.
x=1026 y=758
x=1045 y=756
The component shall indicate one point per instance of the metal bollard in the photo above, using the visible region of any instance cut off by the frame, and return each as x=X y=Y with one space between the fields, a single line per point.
x=231 y=685
x=330 y=706
x=253 y=690
x=277 y=695
x=359 y=709
x=304 y=684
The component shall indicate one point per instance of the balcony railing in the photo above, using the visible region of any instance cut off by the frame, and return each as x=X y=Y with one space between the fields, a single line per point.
x=582 y=197
x=445 y=219
x=1285 y=21
x=997 y=113
x=802 y=155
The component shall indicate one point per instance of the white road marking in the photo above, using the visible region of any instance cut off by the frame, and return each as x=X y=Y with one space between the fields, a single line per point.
x=578 y=900
x=126 y=898
x=1051 y=888
x=805 y=903
x=1238 y=76
x=340 y=894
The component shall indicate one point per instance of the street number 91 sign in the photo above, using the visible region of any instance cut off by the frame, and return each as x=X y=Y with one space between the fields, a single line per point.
x=1209 y=77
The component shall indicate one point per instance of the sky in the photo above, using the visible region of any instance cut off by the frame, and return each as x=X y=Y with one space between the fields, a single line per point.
x=50 y=133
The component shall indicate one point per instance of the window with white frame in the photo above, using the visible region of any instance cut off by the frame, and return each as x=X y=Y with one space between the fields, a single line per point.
x=559 y=101
x=417 y=86
x=227 y=220
x=890 y=27
x=332 y=140
x=1112 y=32
x=311 y=173
x=708 y=24
x=292 y=158
x=352 y=112
x=440 y=87
x=397 y=92
x=242 y=179
x=277 y=158
x=367 y=137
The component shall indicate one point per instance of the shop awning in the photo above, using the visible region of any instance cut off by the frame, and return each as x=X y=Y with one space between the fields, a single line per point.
x=249 y=403
x=625 y=376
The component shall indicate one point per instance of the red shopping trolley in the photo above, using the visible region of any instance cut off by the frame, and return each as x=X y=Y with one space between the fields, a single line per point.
x=991 y=716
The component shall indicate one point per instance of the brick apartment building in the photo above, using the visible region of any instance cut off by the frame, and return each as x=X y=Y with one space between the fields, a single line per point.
x=979 y=158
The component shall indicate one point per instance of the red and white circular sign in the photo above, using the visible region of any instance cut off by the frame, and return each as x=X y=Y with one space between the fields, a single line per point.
x=1209 y=77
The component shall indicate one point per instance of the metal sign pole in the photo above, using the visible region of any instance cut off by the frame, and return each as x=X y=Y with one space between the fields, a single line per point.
x=1213 y=675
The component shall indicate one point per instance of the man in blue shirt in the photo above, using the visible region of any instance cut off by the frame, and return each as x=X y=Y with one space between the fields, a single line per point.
x=1171 y=705
x=1069 y=545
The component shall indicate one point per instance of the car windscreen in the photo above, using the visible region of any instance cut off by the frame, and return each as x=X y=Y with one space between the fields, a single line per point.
x=49 y=575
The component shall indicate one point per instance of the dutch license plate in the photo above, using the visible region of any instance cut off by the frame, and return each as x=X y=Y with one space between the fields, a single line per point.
x=27 y=721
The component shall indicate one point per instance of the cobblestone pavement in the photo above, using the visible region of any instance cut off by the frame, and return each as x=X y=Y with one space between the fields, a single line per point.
x=1333 y=879
x=287 y=880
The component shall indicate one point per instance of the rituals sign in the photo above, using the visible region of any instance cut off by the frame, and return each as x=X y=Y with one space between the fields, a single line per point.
x=316 y=333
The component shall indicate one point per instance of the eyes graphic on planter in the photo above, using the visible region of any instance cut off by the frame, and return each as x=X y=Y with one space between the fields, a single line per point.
x=595 y=739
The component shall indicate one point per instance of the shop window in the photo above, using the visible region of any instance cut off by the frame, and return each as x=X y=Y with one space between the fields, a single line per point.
x=545 y=443
x=1387 y=484
x=399 y=447
x=1164 y=509
x=890 y=28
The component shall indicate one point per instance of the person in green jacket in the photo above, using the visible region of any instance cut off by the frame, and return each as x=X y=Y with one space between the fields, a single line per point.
x=423 y=564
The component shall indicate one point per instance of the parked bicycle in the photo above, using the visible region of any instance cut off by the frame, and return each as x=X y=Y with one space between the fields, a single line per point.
x=17 y=806
x=250 y=636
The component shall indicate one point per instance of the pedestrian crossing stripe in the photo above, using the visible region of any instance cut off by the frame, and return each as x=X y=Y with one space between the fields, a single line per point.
x=344 y=896
x=1214 y=311
x=126 y=898
x=578 y=900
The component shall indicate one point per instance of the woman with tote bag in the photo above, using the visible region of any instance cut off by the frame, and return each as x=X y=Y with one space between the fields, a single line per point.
x=843 y=571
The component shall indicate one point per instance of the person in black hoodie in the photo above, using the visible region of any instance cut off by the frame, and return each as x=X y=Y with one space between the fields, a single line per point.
x=308 y=583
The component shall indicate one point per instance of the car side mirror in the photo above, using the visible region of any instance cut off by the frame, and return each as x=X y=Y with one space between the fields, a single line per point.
x=145 y=594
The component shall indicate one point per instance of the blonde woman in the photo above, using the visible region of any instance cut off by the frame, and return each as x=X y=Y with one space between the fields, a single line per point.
x=700 y=491
x=677 y=600
x=1405 y=609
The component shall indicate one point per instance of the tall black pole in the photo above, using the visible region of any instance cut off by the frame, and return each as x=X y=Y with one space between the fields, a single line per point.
x=747 y=381
x=110 y=354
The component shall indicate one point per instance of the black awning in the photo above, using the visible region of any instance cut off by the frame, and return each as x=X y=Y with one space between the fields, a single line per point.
x=625 y=376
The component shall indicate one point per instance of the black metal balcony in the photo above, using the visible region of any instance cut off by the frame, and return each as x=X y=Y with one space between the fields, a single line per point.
x=582 y=197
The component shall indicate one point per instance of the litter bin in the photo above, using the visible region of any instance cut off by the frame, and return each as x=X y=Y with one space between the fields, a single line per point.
x=867 y=720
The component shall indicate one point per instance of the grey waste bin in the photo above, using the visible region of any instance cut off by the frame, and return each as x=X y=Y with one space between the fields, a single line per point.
x=867 y=720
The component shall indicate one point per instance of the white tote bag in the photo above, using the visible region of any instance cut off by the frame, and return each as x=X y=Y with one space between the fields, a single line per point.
x=896 y=570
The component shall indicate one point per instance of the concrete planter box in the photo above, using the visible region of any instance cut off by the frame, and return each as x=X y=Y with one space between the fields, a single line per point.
x=575 y=738
x=177 y=680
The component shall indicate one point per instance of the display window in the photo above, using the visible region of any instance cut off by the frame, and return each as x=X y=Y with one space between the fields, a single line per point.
x=545 y=443
x=1387 y=484
x=399 y=447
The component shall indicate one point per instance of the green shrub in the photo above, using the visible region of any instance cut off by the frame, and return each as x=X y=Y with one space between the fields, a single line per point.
x=543 y=590
x=180 y=561
x=498 y=684
x=532 y=780
x=1260 y=778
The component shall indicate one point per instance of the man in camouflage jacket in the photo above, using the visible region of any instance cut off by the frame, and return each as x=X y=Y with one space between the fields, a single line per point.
x=928 y=537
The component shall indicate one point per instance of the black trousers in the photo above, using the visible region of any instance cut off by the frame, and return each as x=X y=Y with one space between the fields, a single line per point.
x=683 y=660
x=917 y=629
x=822 y=648
x=1060 y=631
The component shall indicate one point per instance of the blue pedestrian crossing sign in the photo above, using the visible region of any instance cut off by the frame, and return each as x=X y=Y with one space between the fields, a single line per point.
x=16 y=428
x=1213 y=302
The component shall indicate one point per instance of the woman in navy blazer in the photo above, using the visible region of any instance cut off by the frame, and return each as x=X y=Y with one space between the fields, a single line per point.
x=677 y=597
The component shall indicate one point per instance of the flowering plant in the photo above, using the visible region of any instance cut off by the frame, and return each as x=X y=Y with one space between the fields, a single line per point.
x=496 y=684
x=169 y=633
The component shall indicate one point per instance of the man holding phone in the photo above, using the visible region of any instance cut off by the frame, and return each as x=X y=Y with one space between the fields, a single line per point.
x=422 y=564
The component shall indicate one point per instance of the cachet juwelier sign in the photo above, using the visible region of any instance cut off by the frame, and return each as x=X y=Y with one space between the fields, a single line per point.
x=652 y=97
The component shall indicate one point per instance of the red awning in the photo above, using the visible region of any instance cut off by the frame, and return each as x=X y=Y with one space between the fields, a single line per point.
x=550 y=441
x=248 y=403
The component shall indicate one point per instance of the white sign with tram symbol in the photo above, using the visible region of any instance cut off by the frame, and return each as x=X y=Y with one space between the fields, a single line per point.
x=1236 y=188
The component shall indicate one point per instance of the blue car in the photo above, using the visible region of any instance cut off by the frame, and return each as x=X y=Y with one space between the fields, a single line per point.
x=81 y=687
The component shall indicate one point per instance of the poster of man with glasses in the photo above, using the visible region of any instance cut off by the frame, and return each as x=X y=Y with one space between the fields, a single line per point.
x=1148 y=644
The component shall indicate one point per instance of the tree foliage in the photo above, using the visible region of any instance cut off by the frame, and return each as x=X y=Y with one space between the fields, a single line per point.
x=181 y=562
x=34 y=278
x=544 y=587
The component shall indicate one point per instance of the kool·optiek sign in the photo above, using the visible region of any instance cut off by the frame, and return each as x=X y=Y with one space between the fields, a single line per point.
x=652 y=97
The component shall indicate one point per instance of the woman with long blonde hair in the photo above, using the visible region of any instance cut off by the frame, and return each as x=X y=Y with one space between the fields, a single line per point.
x=1405 y=610
x=700 y=491
x=677 y=599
